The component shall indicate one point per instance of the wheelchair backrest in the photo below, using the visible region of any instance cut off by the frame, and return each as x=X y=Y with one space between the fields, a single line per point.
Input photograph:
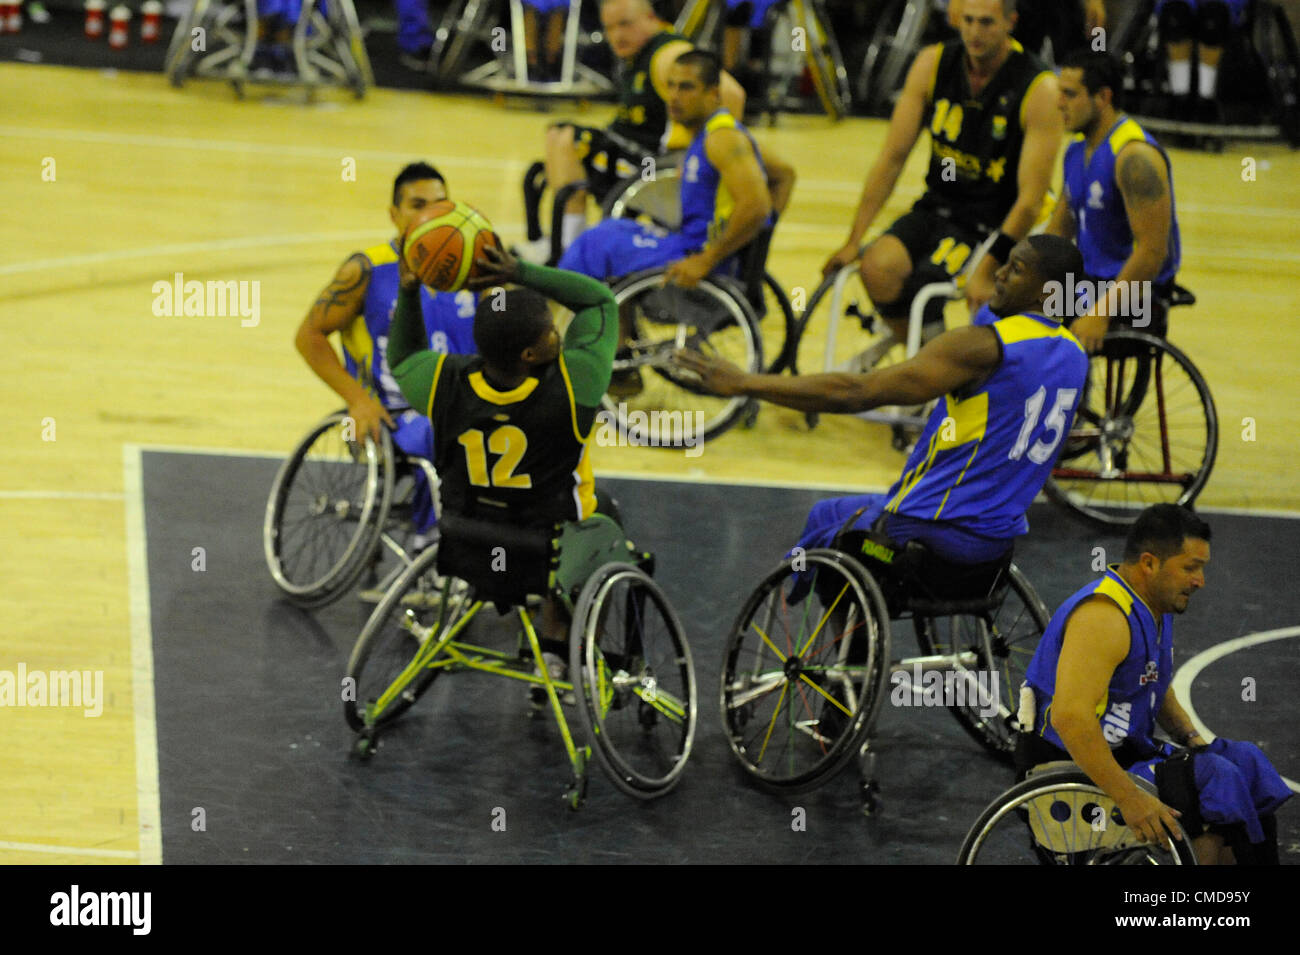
x=502 y=562
x=753 y=264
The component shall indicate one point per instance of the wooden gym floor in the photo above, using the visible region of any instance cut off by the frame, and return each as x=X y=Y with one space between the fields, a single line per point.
x=111 y=183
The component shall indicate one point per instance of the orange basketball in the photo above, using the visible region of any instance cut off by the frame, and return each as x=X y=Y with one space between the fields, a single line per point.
x=442 y=247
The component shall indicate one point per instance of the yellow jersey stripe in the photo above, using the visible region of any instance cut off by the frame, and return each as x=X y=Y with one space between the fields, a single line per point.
x=485 y=391
x=573 y=403
x=380 y=254
x=1125 y=133
x=1029 y=90
x=1116 y=592
x=433 y=388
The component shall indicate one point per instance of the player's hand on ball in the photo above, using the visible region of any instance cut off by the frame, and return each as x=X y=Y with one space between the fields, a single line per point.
x=495 y=266
x=406 y=278
x=1090 y=330
x=716 y=375
x=688 y=272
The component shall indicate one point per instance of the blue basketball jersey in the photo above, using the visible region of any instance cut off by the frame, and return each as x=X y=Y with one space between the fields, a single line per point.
x=448 y=319
x=1104 y=236
x=706 y=202
x=1137 y=688
x=986 y=451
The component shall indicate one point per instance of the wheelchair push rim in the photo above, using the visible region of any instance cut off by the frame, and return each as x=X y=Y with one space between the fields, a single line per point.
x=634 y=680
x=1146 y=432
x=330 y=497
x=802 y=683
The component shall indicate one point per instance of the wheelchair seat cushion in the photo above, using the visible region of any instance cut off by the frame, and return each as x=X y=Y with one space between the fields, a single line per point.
x=504 y=563
x=586 y=546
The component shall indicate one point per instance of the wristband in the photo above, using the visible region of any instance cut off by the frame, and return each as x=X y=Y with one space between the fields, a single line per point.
x=1002 y=246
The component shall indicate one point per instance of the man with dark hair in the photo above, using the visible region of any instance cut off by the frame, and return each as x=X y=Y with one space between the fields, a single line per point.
x=1118 y=203
x=994 y=127
x=1099 y=683
x=1008 y=393
x=645 y=47
x=358 y=304
x=730 y=187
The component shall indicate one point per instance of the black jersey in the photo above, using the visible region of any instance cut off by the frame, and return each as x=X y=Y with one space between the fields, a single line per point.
x=518 y=456
x=976 y=140
x=642 y=114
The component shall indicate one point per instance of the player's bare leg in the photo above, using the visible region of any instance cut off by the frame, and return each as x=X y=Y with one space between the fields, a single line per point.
x=885 y=267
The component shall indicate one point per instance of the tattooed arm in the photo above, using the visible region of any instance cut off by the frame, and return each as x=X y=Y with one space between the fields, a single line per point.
x=1143 y=181
x=338 y=305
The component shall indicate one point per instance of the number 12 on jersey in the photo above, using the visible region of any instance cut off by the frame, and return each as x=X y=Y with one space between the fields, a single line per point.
x=1042 y=450
x=507 y=441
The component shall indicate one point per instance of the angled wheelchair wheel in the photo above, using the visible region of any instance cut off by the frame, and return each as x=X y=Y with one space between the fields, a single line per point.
x=419 y=607
x=995 y=647
x=778 y=326
x=634 y=679
x=464 y=23
x=894 y=43
x=655 y=402
x=805 y=671
x=326 y=510
x=655 y=201
x=1146 y=432
x=1062 y=818
x=829 y=76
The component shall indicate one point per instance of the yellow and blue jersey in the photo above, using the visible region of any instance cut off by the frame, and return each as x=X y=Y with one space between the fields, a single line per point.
x=706 y=202
x=448 y=320
x=1104 y=235
x=958 y=471
x=1137 y=688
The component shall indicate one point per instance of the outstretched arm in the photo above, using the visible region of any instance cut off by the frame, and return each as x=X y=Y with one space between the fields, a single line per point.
x=953 y=359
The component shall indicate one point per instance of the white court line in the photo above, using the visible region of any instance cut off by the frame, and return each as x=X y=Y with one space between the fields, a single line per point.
x=148 y=808
x=60 y=495
x=213 y=245
x=67 y=850
x=1190 y=670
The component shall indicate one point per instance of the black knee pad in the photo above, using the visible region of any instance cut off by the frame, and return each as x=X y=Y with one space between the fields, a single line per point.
x=1176 y=22
x=1213 y=21
x=901 y=307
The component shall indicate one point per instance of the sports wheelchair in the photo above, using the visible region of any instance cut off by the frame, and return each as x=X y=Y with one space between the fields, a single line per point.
x=807 y=663
x=629 y=662
x=1146 y=431
x=1058 y=816
x=333 y=503
x=216 y=39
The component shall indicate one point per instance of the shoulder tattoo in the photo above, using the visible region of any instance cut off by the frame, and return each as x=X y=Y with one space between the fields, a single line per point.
x=1139 y=180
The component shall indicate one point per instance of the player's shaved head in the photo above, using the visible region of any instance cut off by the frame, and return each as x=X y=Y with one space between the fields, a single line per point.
x=509 y=320
x=1055 y=258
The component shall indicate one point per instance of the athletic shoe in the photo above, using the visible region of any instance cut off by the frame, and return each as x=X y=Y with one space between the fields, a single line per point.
x=37 y=13
x=537 y=251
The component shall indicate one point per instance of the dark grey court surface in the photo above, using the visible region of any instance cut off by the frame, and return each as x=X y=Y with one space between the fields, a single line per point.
x=250 y=725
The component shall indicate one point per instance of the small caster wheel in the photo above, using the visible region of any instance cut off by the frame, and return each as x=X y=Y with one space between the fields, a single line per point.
x=365 y=745
x=750 y=417
x=812 y=417
x=870 y=801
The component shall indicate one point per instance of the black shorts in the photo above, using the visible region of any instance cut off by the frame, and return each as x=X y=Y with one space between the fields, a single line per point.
x=938 y=245
x=607 y=158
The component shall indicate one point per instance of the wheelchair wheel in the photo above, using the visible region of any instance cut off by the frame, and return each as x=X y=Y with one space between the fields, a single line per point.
x=463 y=24
x=416 y=608
x=829 y=76
x=654 y=201
x=652 y=400
x=862 y=341
x=1276 y=46
x=1062 y=818
x=778 y=326
x=1001 y=643
x=635 y=680
x=326 y=510
x=1146 y=432
x=802 y=681
x=894 y=43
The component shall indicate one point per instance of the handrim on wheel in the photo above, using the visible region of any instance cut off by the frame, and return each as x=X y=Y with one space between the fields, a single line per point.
x=802 y=682
x=1146 y=432
x=1060 y=817
x=999 y=643
x=327 y=508
x=663 y=318
x=634 y=679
